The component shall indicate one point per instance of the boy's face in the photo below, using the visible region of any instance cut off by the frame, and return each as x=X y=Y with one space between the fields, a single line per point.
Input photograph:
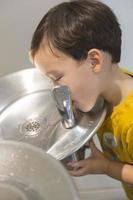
x=64 y=70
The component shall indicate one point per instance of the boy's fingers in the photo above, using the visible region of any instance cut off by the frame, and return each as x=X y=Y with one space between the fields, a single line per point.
x=79 y=172
x=75 y=165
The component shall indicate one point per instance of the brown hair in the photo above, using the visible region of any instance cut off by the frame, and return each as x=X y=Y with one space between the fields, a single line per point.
x=76 y=27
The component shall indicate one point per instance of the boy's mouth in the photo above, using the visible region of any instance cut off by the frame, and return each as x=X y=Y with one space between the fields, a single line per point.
x=75 y=105
x=79 y=107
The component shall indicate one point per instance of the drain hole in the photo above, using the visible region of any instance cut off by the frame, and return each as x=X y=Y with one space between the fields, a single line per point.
x=30 y=128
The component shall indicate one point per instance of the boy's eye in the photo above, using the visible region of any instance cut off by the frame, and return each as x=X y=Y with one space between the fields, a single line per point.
x=55 y=78
x=58 y=78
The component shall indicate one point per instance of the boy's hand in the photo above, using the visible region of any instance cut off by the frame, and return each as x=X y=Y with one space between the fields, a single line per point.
x=96 y=163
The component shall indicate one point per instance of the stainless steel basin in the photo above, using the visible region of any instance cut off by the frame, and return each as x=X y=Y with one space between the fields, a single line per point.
x=28 y=113
x=27 y=109
x=28 y=173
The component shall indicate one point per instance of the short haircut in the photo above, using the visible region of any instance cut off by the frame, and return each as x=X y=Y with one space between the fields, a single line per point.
x=77 y=26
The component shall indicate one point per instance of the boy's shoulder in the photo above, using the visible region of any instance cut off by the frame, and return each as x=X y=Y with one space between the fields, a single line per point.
x=126 y=71
x=123 y=114
x=124 y=110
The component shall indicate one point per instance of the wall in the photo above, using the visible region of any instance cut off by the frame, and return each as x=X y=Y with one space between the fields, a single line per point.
x=18 y=20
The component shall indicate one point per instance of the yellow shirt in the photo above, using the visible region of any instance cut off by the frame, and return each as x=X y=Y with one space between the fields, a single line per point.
x=116 y=136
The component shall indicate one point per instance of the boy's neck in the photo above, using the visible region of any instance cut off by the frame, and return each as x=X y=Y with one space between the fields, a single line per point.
x=120 y=86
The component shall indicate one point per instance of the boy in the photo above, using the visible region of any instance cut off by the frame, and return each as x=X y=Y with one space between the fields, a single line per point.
x=78 y=44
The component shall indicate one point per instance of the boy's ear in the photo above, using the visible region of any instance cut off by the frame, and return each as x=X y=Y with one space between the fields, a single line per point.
x=95 y=59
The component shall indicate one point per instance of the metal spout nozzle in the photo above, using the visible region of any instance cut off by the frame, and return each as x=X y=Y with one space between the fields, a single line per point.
x=63 y=101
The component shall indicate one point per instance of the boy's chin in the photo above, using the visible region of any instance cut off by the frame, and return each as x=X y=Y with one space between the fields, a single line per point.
x=84 y=109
